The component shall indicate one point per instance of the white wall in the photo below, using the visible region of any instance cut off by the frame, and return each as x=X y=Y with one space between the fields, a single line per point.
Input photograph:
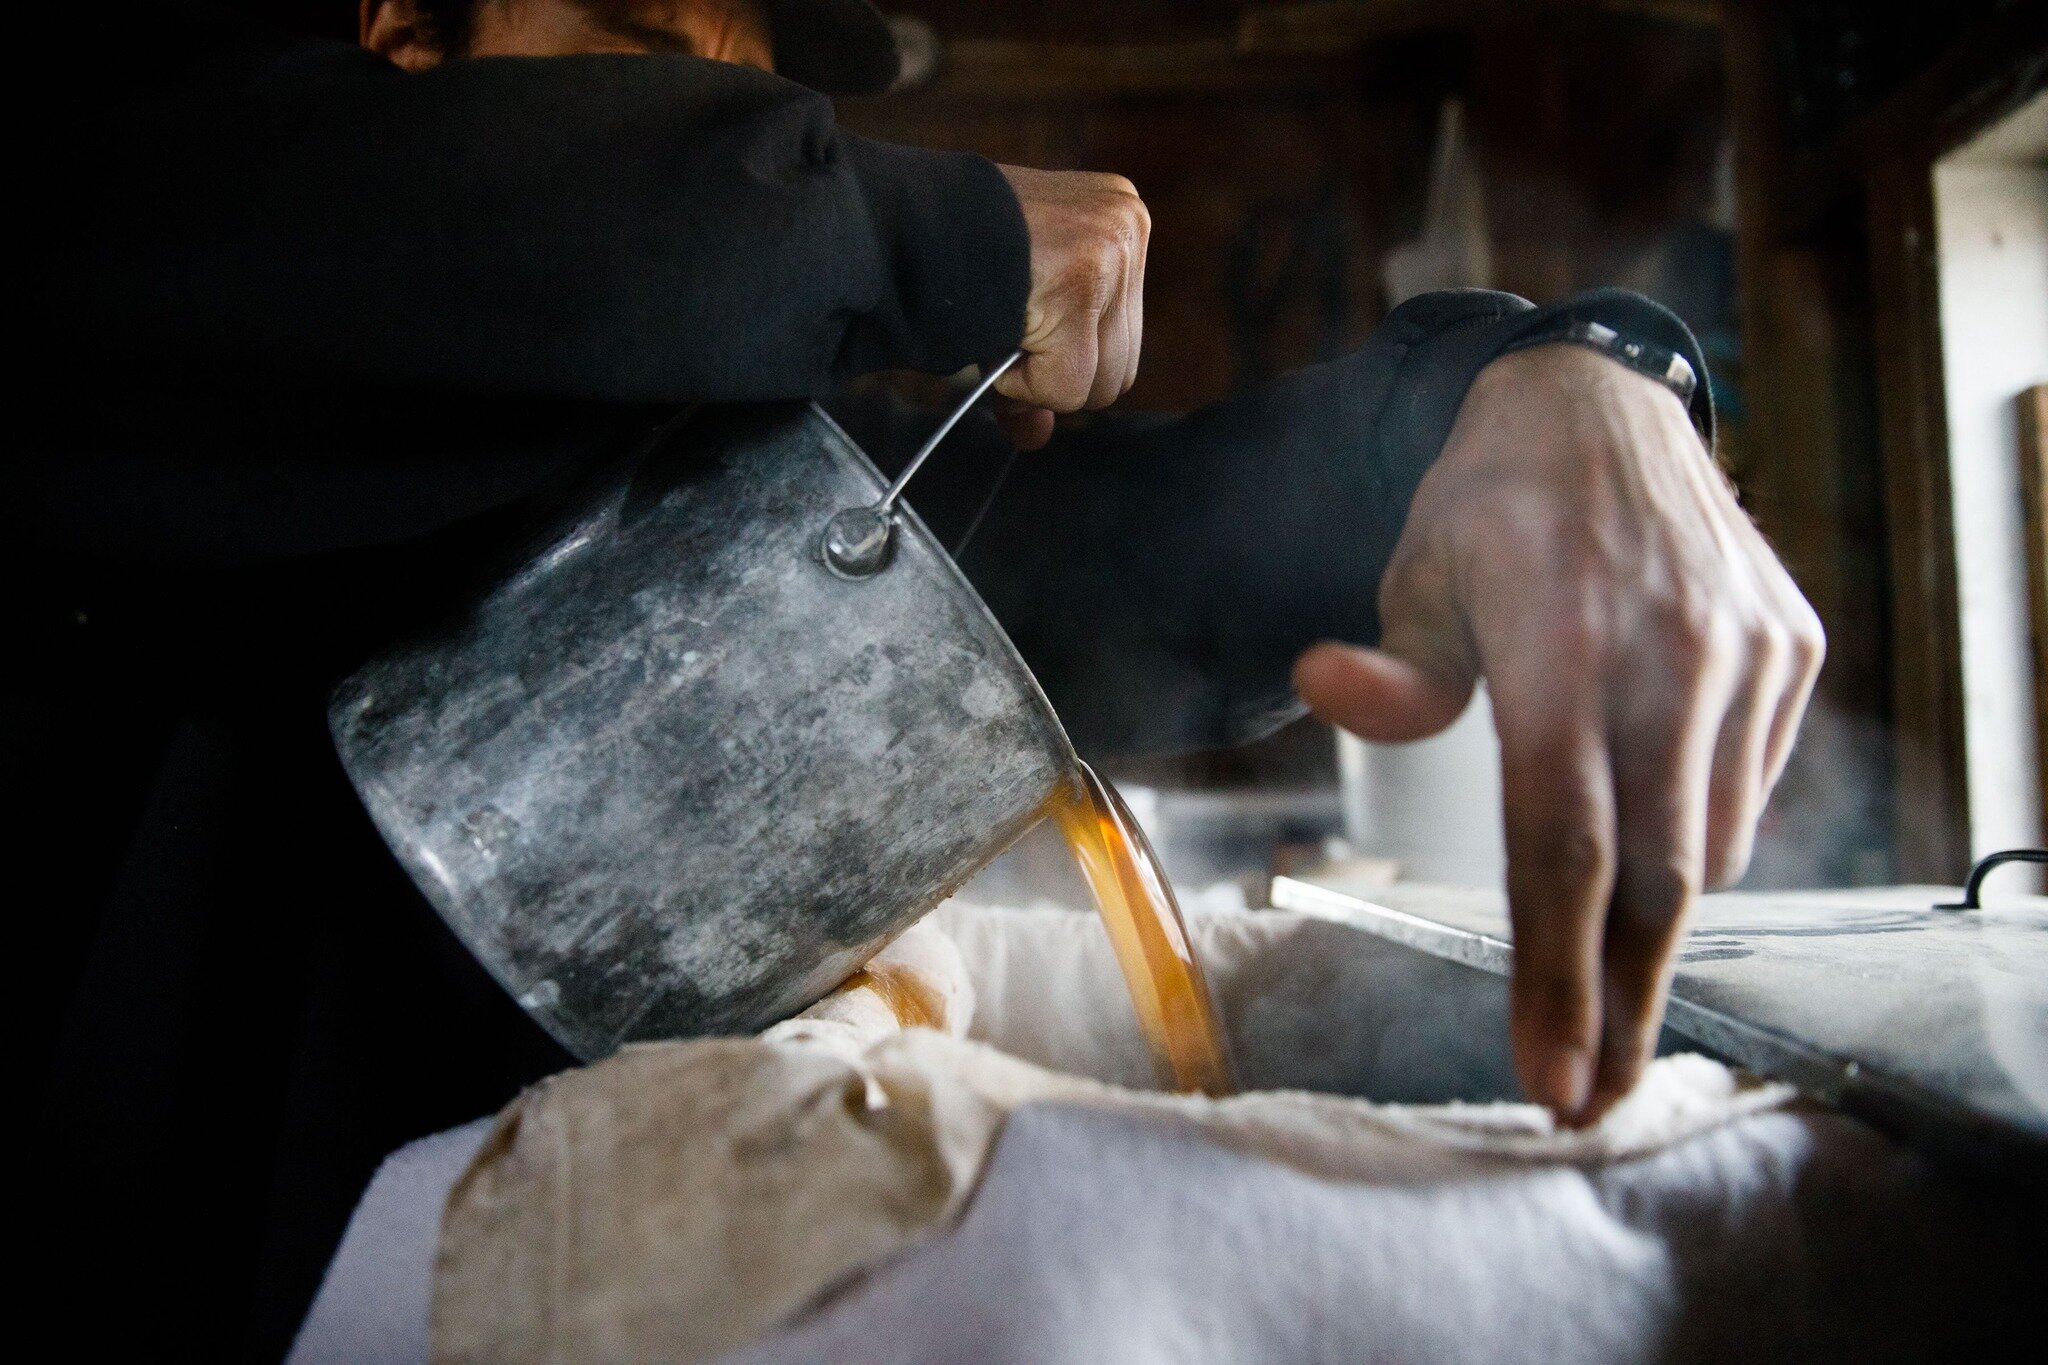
x=1991 y=212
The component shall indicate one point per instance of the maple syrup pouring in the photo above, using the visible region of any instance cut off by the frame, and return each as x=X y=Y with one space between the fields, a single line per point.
x=1150 y=937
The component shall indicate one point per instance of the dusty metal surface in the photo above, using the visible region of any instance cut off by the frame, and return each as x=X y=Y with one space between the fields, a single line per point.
x=675 y=777
x=1931 y=1023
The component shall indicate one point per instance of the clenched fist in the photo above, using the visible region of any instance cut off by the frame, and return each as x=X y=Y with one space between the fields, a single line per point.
x=1649 y=661
x=1085 y=317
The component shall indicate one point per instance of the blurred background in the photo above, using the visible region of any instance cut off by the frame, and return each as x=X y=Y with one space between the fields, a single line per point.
x=1847 y=202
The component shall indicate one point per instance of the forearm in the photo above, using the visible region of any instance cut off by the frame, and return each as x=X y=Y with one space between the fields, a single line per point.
x=1162 y=577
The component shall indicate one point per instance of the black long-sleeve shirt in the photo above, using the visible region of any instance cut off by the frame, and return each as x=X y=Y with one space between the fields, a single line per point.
x=320 y=330
x=314 y=341
x=316 y=330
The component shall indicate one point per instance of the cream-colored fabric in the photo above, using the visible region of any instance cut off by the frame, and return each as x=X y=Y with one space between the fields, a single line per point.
x=919 y=980
x=682 y=1199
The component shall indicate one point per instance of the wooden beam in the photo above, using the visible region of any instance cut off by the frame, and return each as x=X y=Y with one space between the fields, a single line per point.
x=1933 y=802
x=2034 y=489
x=1332 y=25
x=1983 y=77
x=1696 y=13
x=1276 y=48
x=984 y=70
x=1991 y=71
x=1806 y=458
x=1343 y=25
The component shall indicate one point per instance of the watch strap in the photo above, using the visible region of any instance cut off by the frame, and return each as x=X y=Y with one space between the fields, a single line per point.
x=1646 y=358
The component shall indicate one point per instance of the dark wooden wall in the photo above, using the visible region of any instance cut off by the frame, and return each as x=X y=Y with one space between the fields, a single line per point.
x=1283 y=148
x=1840 y=112
x=1264 y=137
x=1258 y=145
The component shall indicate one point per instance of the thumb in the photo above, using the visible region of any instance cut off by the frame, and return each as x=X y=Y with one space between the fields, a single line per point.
x=1378 y=695
x=1028 y=428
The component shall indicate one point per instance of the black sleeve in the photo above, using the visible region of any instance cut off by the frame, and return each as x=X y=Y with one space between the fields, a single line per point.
x=289 y=300
x=1161 y=575
x=631 y=228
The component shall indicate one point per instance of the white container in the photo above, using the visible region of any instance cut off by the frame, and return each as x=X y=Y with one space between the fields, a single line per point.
x=1433 y=804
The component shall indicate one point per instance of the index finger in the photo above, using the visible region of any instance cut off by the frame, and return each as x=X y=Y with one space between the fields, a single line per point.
x=1558 y=797
x=1113 y=346
x=1060 y=374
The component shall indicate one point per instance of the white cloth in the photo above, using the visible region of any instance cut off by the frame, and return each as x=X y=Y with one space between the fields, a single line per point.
x=1103 y=1236
x=1099 y=1236
x=1136 y=1236
x=372 y=1304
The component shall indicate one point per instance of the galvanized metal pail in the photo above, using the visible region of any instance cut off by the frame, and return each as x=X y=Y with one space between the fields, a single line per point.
x=678 y=775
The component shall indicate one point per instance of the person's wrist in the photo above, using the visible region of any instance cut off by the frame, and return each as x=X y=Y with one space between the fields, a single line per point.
x=1561 y=372
x=954 y=223
x=1659 y=363
x=1629 y=330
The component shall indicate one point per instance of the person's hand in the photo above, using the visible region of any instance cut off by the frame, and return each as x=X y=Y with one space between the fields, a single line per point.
x=1085 y=317
x=1649 y=661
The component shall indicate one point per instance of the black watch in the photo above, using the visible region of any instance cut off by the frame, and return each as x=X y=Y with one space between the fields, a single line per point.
x=1667 y=367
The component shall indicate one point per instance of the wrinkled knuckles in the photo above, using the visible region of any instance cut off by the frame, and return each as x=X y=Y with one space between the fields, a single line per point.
x=1809 y=644
x=1655 y=892
x=1770 y=649
x=1582 y=635
x=1573 y=857
x=1090 y=284
x=1694 y=630
x=1062 y=386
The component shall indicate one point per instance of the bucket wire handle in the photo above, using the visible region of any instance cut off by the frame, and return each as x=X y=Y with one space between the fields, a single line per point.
x=858 y=541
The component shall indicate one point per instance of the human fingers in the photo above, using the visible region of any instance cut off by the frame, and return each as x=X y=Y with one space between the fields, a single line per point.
x=1378 y=695
x=1134 y=302
x=1081 y=334
x=1059 y=365
x=1738 y=787
x=1558 y=808
x=1029 y=427
x=1663 y=748
x=1113 y=343
x=1420 y=678
x=1809 y=649
x=1786 y=609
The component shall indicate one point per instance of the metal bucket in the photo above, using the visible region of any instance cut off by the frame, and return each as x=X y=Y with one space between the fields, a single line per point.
x=677 y=775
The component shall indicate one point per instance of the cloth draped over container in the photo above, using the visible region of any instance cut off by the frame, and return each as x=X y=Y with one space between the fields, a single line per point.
x=681 y=1200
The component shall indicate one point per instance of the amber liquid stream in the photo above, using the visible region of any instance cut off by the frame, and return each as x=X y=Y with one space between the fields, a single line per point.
x=1150 y=937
